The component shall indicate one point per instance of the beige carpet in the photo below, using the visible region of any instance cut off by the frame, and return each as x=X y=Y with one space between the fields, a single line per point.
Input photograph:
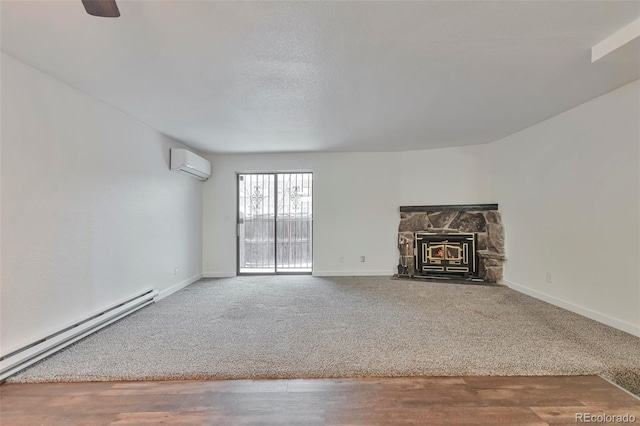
x=303 y=326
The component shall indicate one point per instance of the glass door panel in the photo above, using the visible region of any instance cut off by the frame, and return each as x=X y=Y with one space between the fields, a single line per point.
x=256 y=223
x=294 y=222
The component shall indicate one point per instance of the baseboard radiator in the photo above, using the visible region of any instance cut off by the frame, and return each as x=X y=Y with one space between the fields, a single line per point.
x=18 y=359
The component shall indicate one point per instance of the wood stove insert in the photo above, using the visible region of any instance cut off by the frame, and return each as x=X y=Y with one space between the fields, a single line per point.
x=445 y=254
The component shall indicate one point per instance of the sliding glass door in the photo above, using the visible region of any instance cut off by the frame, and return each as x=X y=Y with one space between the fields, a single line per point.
x=275 y=223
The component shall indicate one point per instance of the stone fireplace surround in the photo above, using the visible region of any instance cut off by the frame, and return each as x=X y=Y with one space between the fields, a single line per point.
x=482 y=219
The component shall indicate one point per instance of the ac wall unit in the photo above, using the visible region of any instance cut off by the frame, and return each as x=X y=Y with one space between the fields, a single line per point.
x=190 y=164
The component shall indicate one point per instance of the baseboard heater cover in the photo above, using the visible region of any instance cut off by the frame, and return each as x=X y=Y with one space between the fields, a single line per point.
x=19 y=359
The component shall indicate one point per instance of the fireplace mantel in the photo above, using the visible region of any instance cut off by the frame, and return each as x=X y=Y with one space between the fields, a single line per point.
x=448 y=208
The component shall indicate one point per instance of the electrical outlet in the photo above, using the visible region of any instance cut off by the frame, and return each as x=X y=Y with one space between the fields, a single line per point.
x=341 y=259
x=549 y=278
x=175 y=270
x=362 y=258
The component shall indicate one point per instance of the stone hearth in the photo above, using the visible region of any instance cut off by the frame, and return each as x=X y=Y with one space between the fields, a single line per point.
x=482 y=219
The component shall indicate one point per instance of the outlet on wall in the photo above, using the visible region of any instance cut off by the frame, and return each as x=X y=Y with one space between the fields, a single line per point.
x=549 y=278
x=362 y=258
x=341 y=259
x=175 y=270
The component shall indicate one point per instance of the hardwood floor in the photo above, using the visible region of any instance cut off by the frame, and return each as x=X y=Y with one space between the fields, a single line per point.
x=367 y=401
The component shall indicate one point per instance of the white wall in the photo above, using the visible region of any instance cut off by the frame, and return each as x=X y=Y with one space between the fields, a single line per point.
x=445 y=176
x=91 y=213
x=356 y=200
x=569 y=192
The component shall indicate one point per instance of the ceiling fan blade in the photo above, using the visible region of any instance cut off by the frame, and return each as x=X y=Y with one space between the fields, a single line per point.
x=103 y=8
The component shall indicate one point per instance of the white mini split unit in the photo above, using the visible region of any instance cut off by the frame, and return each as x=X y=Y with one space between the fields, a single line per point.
x=190 y=164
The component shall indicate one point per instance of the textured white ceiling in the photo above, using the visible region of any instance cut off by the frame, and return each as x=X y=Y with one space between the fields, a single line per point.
x=328 y=76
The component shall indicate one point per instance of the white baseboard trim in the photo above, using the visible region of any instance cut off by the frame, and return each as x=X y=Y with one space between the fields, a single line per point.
x=219 y=274
x=368 y=273
x=596 y=316
x=314 y=273
x=179 y=286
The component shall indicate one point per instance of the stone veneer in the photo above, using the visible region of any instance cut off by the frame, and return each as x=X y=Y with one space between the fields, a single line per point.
x=484 y=220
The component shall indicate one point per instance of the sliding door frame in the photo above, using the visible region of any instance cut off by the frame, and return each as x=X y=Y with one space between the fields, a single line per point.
x=275 y=223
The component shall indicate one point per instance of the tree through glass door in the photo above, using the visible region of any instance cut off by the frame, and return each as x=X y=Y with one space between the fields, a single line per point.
x=275 y=223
